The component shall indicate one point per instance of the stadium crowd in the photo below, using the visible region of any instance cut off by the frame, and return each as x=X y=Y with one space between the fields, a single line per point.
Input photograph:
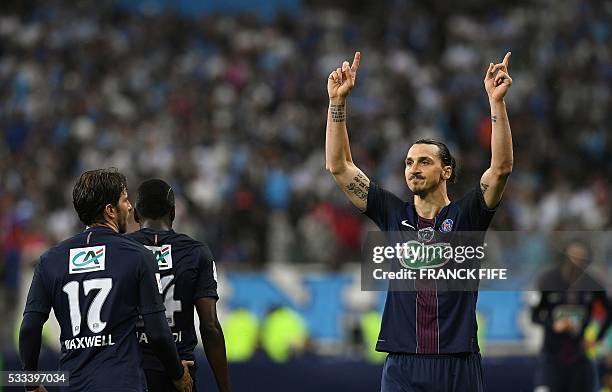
x=230 y=110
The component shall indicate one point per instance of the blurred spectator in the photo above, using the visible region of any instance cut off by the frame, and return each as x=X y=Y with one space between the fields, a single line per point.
x=230 y=109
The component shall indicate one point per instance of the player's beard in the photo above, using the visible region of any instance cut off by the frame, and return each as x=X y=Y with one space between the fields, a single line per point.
x=123 y=222
x=419 y=189
x=422 y=189
x=420 y=192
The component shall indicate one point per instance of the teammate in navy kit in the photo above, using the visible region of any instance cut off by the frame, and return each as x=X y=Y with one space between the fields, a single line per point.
x=430 y=335
x=97 y=283
x=188 y=278
x=567 y=297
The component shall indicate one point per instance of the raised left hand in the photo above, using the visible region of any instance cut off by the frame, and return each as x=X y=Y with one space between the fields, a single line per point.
x=497 y=80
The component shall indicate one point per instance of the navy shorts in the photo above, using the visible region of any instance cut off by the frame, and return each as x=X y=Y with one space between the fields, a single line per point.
x=555 y=376
x=433 y=373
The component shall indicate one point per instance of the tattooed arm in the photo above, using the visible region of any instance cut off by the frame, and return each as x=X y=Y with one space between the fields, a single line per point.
x=493 y=182
x=338 y=159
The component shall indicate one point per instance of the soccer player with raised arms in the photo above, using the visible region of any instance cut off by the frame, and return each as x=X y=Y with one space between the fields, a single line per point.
x=430 y=336
x=188 y=280
x=97 y=283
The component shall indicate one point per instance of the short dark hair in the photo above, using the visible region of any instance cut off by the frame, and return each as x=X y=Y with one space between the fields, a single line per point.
x=155 y=199
x=445 y=156
x=94 y=190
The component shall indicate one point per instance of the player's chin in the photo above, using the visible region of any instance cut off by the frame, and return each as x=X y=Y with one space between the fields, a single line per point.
x=416 y=189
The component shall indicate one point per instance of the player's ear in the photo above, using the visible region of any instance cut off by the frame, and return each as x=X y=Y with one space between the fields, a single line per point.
x=446 y=172
x=109 y=211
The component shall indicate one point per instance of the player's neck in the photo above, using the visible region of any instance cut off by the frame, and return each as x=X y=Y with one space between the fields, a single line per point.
x=109 y=224
x=155 y=224
x=430 y=204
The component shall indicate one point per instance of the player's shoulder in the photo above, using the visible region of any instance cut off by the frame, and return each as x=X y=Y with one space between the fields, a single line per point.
x=472 y=199
x=87 y=241
x=131 y=243
x=91 y=251
x=180 y=243
x=386 y=197
x=137 y=239
x=63 y=247
x=551 y=279
x=469 y=195
x=197 y=248
x=120 y=244
x=588 y=283
x=187 y=241
x=148 y=236
x=55 y=252
x=136 y=236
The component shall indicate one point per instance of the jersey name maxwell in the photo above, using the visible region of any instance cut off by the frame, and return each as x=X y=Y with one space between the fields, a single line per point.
x=89 y=341
x=163 y=256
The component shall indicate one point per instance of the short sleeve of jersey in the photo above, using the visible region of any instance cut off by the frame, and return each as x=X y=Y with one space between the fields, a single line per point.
x=149 y=286
x=39 y=299
x=382 y=205
x=206 y=285
x=476 y=210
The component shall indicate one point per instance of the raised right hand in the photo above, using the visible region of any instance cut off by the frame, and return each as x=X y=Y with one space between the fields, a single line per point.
x=342 y=80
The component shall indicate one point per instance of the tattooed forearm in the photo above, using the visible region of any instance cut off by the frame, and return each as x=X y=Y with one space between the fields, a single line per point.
x=359 y=187
x=354 y=189
x=338 y=112
x=494 y=118
x=484 y=187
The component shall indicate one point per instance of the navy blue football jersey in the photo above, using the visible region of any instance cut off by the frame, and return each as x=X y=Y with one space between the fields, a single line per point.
x=188 y=273
x=562 y=300
x=426 y=320
x=97 y=283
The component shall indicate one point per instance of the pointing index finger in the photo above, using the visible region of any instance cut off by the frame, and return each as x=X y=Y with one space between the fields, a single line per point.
x=507 y=59
x=356 y=62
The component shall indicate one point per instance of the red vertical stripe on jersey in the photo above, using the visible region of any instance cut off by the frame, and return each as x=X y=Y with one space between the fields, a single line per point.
x=427 y=309
x=427 y=319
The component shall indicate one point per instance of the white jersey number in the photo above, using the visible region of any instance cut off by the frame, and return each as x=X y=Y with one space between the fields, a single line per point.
x=104 y=286
x=172 y=305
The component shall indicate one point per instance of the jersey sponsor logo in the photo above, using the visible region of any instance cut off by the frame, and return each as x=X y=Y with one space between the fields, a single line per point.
x=82 y=260
x=163 y=256
x=575 y=314
x=426 y=234
x=418 y=255
x=405 y=223
x=446 y=226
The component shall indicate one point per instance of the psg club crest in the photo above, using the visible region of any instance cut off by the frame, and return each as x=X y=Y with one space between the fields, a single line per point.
x=426 y=234
x=446 y=226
